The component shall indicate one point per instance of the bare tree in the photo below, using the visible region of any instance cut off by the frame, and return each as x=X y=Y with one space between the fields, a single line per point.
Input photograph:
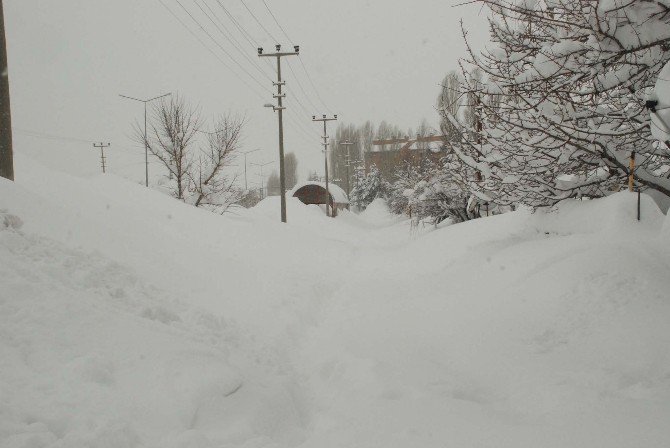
x=172 y=133
x=211 y=187
x=196 y=174
x=366 y=135
x=448 y=102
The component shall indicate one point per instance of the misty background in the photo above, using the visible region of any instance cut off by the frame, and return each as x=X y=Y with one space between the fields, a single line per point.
x=373 y=60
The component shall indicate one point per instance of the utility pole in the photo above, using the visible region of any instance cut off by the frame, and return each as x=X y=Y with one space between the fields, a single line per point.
x=102 y=147
x=280 y=108
x=325 y=153
x=6 y=152
x=348 y=144
x=245 y=166
x=146 y=142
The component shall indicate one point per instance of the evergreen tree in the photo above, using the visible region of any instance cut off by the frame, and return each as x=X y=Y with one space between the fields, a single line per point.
x=366 y=187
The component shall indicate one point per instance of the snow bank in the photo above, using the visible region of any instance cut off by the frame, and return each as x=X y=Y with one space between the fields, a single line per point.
x=93 y=356
x=128 y=319
x=615 y=214
x=517 y=330
x=377 y=212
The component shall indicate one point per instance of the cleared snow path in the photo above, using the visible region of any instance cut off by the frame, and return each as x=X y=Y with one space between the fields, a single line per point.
x=130 y=320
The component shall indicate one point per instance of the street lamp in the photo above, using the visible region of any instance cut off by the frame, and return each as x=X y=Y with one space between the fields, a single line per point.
x=245 y=166
x=261 y=165
x=146 y=144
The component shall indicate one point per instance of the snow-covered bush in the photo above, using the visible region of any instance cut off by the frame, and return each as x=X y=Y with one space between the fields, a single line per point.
x=401 y=189
x=366 y=187
x=431 y=194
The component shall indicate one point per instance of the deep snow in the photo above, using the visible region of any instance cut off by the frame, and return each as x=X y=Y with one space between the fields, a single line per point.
x=128 y=319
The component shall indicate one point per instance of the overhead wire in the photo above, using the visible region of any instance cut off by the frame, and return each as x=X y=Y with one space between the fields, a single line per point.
x=309 y=78
x=43 y=135
x=249 y=38
x=255 y=44
x=258 y=21
x=244 y=81
x=277 y=22
x=219 y=45
x=225 y=33
x=54 y=137
x=303 y=130
x=302 y=127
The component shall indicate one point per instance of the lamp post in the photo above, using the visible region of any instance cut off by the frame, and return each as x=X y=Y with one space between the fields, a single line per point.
x=261 y=165
x=245 y=166
x=146 y=143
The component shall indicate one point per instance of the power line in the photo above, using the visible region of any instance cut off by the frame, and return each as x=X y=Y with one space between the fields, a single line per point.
x=46 y=136
x=301 y=62
x=290 y=67
x=219 y=45
x=249 y=38
x=253 y=89
x=277 y=22
x=316 y=91
x=253 y=42
x=225 y=33
x=245 y=34
x=259 y=22
x=54 y=137
x=299 y=58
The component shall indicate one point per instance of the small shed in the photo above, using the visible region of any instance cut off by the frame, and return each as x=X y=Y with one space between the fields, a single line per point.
x=315 y=193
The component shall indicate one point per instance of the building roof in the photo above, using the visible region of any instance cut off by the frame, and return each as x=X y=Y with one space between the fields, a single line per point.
x=338 y=194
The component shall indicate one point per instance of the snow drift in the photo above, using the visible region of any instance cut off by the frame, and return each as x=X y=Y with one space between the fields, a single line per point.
x=128 y=319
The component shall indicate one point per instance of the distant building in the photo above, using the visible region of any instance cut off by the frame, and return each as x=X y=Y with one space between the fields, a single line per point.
x=412 y=152
x=313 y=192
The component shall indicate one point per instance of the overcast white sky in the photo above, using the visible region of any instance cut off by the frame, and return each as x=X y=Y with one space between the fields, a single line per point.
x=375 y=59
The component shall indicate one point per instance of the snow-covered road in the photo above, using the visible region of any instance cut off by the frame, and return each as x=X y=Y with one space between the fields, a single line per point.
x=130 y=320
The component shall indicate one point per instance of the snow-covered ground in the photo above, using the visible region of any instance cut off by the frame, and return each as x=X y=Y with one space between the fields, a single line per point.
x=128 y=319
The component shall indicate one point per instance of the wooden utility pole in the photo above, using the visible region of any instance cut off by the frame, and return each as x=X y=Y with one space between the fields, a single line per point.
x=325 y=154
x=6 y=152
x=102 y=147
x=280 y=108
